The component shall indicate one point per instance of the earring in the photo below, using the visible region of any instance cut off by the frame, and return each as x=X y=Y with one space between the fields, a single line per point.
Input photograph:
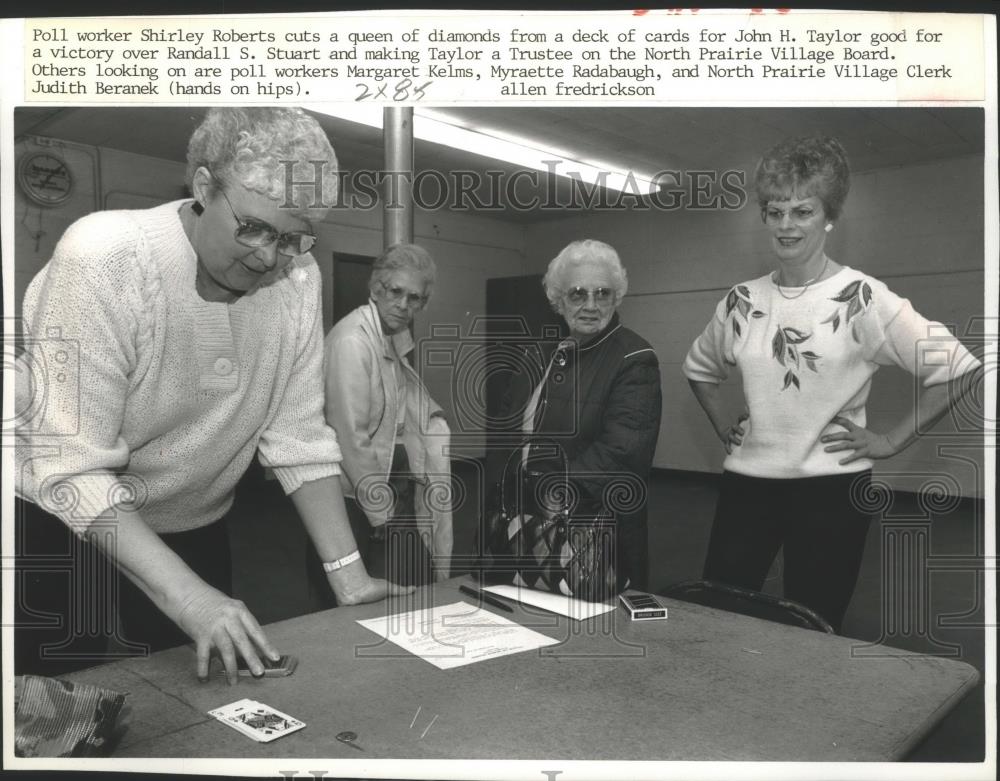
x=829 y=227
x=197 y=208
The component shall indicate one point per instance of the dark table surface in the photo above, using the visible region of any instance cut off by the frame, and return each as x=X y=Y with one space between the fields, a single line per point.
x=702 y=685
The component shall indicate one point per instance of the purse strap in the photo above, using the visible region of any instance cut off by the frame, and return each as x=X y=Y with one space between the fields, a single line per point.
x=520 y=446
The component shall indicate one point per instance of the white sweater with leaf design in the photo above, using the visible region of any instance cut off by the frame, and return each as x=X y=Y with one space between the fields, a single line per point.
x=808 y=356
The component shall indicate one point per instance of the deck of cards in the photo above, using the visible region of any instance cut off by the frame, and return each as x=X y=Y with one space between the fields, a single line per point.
x=256 y=720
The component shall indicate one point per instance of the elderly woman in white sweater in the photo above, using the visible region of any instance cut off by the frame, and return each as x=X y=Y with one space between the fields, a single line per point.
x=807 y=339
x=200 y=340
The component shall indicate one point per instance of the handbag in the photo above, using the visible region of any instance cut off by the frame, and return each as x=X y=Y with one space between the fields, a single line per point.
x=544 y=541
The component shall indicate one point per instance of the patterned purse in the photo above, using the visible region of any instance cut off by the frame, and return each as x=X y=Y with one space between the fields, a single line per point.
x=545 y=542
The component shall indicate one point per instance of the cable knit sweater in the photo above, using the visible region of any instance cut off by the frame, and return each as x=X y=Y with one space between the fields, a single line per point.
x=810 y=357
x=147 y=394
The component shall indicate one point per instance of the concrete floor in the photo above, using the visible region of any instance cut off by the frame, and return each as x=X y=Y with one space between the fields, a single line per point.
x=940 y=547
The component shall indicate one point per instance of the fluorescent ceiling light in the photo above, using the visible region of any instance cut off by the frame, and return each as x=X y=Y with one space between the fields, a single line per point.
x=438 y=128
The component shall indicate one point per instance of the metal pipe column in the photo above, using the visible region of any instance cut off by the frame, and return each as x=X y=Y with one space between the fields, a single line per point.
x=397 y=194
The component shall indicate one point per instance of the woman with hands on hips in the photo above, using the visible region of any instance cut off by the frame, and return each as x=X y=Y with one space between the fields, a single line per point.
x=807 y=339
x=200 y=332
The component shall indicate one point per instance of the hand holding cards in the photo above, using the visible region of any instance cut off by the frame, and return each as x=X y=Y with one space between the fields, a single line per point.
x=256 y=720
x=283 y=667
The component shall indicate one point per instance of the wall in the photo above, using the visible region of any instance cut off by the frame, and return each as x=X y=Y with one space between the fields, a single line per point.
x=468 y=249
x=919 y=228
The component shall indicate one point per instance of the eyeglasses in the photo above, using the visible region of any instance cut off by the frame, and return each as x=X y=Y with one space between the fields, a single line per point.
x=257 y=233
x=800 y=215
x=580 y=295
x=397 y=294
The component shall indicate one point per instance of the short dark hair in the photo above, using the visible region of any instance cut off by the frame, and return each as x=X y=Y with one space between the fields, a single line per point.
x=803 y=167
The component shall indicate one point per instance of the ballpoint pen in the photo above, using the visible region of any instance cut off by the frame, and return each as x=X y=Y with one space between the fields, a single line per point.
x=489 y=599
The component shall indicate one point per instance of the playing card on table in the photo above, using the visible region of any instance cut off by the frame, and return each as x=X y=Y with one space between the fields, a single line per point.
x=225 y=710
x=256 y=720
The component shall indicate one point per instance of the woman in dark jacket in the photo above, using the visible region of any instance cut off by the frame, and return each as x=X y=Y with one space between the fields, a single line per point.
x=596 y=393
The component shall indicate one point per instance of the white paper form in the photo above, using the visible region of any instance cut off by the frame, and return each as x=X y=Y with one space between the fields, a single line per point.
x=577 y=609
x=457 y=634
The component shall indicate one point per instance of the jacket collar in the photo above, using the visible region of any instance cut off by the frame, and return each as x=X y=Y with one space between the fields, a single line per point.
x=613 y=325
x=402 y=342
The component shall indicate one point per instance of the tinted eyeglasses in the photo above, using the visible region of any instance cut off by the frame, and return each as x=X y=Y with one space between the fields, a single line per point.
x=580 y=295
x=251 y=232
x=397 y=294
x=800 y=215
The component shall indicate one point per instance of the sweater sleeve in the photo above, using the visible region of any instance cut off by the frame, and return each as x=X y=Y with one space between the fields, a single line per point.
x=298 y=444
x=905 y=338
x=79 y=351
x=706 y=361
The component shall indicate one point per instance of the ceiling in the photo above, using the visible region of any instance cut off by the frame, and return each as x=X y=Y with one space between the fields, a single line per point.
x=645 y=140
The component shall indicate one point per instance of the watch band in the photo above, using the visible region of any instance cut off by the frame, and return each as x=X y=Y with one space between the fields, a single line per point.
x=333 y=566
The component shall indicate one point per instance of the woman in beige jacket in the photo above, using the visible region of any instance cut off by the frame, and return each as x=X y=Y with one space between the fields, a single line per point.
x=393 y=436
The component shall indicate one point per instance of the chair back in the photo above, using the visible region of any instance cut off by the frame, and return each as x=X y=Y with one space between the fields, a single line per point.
x=722 y=596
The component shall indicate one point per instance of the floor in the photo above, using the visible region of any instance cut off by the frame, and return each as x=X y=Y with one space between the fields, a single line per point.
x=938 y=543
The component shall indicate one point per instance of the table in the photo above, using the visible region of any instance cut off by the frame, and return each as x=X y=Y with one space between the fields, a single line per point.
x=703 y=685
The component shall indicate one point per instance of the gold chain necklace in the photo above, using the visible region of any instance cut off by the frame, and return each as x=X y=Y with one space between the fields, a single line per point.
x=822 y=271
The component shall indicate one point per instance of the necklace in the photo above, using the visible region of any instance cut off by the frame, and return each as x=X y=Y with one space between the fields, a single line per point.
x=822 y=271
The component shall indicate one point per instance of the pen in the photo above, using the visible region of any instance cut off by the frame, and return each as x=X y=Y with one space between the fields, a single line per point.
x=487 y=598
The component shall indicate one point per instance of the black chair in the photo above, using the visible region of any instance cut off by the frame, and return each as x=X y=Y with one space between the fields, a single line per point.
x=749 y=603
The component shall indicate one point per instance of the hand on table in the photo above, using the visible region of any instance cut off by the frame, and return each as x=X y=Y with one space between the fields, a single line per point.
x=224 y=625
x=369 y=590
x=864 y=443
